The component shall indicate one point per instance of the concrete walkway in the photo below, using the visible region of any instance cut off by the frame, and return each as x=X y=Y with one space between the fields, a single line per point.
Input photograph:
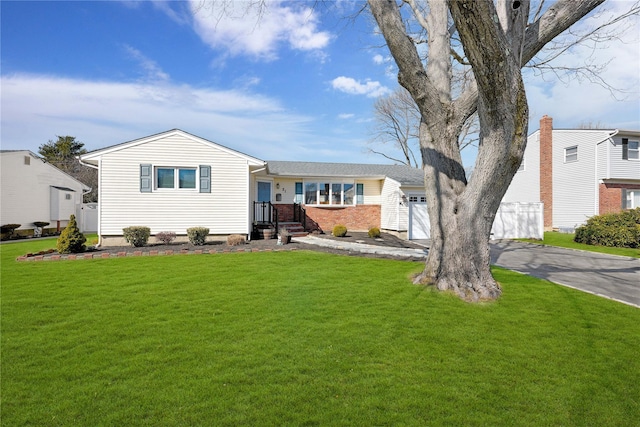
x=361 y=247
x=609 y=276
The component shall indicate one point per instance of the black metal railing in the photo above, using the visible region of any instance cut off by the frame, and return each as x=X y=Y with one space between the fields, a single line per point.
x=300 y=215
x=265 y=213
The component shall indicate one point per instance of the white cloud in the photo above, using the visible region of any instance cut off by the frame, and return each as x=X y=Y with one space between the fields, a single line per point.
x=244 y=28
x=36 y=108
x=378 y=59
x=346 y=116
x=351 y=86
x=153 y=72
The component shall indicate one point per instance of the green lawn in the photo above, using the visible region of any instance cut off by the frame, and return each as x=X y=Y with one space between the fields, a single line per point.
x=565 y=240
x=302 y=338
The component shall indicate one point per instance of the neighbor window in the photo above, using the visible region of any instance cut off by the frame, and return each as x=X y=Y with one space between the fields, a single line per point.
x=328 y=193
x=630 y=149
x=184 y=178
x=571 y=154
x=630 y=199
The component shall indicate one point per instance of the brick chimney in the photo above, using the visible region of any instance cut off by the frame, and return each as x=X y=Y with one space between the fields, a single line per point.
x=546 y=169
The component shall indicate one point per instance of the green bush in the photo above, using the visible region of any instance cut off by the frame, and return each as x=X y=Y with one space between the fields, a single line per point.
x=374 y=232
x=9 y=228
x=339 y=231
x=620 y=230
x=197 y=235
x=71 y=240
x=136 y=235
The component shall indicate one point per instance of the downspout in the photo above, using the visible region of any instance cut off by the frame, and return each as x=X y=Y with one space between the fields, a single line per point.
x=608 y=171
x=99 y=187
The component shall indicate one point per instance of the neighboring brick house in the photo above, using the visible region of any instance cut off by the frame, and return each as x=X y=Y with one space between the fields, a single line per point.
x=578 y=173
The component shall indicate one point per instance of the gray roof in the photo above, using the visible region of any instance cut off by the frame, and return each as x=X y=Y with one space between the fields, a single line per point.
x=405 y=175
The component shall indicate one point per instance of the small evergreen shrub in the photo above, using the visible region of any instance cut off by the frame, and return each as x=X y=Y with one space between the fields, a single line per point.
x=339 y=231
x=197 y=235
x=235 y=240
x=71 y=240
x=166 y=237
x=621 y=230
x=374 y=232
x=9 y=228
x=136 y=235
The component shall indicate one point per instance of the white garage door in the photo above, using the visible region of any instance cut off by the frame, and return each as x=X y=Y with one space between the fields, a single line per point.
x=418 y=218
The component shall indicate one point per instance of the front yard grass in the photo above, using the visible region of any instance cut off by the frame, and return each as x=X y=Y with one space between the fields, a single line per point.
x=302 y=338
x=565 y=240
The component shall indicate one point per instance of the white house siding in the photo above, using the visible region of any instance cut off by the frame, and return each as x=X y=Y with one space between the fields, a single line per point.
x=574 y=183
x=620 y=168
x=223 y=211
x=525 y=186
x=372 y=190
x=389 y=209
x=26 y=191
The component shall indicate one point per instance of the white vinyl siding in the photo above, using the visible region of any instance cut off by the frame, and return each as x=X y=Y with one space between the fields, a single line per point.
x=574 y=183
x=390 y=209
x=620 y=168
x=27 y=190
x=224 y=210
x=525 y=186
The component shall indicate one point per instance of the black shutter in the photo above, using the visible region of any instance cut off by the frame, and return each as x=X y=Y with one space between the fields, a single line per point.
x=205 y=179
x=146 y=178
x=625 y=148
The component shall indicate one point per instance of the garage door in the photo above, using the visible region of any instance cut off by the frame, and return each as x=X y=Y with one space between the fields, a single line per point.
x=418 y=218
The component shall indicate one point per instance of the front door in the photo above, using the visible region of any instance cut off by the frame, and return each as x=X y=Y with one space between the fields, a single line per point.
x=264 y=195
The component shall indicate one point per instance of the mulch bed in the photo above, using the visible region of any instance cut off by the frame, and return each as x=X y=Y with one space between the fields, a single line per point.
x=160 y=249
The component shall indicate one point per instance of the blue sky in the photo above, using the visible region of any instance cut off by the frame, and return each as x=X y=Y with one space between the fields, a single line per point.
x=297 y=85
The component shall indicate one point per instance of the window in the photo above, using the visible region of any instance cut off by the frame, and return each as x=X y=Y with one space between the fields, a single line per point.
x=360 y=194
x=571 y=154
x=326 y=193
x=175 y=178
x=183 y=178
x=630 y=199
x=630 y=149
x=299 y=195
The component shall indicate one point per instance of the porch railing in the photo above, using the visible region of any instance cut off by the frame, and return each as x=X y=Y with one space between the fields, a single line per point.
x=300 y=215
x=265 y=213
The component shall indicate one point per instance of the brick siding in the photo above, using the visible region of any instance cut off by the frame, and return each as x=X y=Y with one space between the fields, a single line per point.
x=546 y=169
x=355 y=218
x=611 y=196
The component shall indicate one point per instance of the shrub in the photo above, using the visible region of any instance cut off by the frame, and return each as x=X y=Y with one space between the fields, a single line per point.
x=71 y=240
x=374 y=232
x=136 y=235
x=339 y=230
x=165 y=237
x=621 y=230
x=236 y=240
x=9 y=228
x=197 y=235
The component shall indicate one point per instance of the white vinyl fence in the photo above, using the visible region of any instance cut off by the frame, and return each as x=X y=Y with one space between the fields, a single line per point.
x=518 y=221
x=89 y=221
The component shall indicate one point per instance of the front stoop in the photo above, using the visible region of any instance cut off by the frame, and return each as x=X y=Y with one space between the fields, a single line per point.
x=295 y=229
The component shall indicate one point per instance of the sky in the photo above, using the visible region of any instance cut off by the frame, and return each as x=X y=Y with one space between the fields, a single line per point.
x=297 y=82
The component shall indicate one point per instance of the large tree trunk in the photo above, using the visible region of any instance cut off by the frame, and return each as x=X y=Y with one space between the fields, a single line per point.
x=497 y=42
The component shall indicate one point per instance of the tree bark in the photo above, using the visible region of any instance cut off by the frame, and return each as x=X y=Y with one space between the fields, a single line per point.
x=497 y=43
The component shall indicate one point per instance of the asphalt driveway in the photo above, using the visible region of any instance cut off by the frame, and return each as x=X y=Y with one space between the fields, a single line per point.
x=609 y=276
